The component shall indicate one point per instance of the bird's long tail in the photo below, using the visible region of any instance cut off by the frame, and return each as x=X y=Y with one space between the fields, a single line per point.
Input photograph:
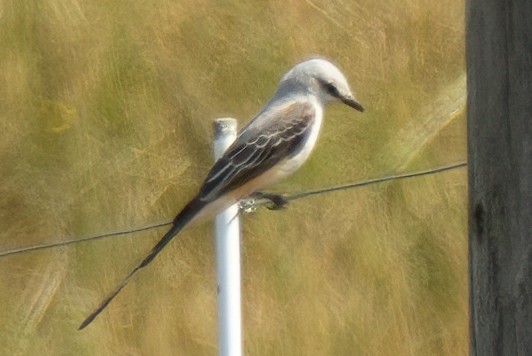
x=181 y=220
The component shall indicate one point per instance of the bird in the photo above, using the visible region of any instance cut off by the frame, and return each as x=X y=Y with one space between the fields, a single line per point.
x=271 y=146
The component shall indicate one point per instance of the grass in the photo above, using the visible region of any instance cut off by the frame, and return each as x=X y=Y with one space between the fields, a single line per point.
x=105 y=114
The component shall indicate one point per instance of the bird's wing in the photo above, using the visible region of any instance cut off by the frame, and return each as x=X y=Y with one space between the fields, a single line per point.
x=271 y=137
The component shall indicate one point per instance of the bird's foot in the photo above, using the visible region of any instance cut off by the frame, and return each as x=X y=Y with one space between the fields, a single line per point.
x=270 y=200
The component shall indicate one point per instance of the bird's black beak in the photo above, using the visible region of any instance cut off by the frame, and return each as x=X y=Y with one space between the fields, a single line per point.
x=349 y=100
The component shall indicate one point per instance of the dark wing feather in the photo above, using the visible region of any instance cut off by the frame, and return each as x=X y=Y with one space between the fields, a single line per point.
x=267 y=140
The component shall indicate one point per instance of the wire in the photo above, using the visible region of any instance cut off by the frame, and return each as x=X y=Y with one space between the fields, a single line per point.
x=284 y=198
x=271 y=200
x=84 y=239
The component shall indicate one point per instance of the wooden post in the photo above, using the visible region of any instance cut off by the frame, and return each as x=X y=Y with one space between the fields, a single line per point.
x=499 y=72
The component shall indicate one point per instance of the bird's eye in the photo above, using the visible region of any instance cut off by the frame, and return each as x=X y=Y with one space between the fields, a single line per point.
x=331 y=89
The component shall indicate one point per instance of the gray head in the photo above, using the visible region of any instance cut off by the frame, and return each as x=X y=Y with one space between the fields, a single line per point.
x=324 y=80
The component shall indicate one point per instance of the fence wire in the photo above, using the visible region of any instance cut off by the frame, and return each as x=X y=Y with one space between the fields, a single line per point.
x=269 y=200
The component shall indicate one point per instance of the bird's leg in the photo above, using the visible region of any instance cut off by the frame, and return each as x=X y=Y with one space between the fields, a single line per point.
x=273 y=201
x=276 y=201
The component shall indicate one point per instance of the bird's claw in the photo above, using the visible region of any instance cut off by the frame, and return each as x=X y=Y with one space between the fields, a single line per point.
x=247 y=205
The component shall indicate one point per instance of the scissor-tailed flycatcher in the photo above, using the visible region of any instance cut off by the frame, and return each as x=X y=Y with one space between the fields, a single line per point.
x=272 y=145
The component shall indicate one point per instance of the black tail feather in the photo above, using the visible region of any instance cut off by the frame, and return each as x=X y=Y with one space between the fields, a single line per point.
x=181 y=220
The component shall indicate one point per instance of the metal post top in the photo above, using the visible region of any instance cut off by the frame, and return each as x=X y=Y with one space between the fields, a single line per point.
x=224 y=125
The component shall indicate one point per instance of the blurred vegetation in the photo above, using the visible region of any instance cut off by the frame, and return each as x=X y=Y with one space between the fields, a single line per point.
x=105 y=114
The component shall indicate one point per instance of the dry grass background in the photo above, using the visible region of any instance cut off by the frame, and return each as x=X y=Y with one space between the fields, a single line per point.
x=105 y=114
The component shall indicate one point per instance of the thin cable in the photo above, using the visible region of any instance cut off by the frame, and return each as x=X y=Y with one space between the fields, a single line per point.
x=373 y=181
x=85 y=239
x=279 y=200
x=249 y=206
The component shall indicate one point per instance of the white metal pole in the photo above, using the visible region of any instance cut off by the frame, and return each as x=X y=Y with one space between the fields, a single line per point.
x=227 y=234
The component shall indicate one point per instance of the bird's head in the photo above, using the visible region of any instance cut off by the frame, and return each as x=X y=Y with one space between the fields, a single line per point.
x=323 y=79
